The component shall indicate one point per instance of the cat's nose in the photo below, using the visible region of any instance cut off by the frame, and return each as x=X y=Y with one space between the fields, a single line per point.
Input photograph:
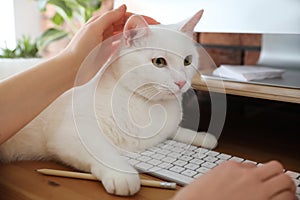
x=180 y=84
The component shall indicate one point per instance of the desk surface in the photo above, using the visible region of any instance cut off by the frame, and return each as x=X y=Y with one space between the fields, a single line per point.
x=20 y=181
x=284 y=94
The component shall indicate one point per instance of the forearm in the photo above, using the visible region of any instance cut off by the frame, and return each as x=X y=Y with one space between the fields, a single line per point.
x=25 y=95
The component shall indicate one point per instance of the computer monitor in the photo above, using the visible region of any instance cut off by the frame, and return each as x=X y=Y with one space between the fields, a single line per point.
x=277 y=20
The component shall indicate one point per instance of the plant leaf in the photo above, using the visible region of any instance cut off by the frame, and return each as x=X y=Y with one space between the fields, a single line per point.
x=57 y=19
x=63 y=5
x=49 y=36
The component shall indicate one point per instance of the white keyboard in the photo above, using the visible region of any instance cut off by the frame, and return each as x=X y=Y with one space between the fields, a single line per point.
x=182 y=163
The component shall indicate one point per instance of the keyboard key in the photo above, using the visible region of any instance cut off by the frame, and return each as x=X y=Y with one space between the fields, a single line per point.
x=167 y=147
x=173 y=176
x=177 y=169
x=292 y=174
x=203 y=170
x=180 y=163
x=192 y=148
x=175 y=155
x=144 y=158
x=164 y=152
x=158 y=156
x=177 y=149
x=185 y=158
x=189 y=153
x=224 y=156
x=212 y=153
x=210 y=159
x=199 y=155
x=189 y=173
x=168 y=159
x=165 y=165
x=237 y=159
x=200 y=150
x=191 y=166
x=143 y=166
x=250 y=161
x=197 y=161
x=209 y=165
x=259 y=164
x=147 y=153
x=154 y=169
x=154 y=162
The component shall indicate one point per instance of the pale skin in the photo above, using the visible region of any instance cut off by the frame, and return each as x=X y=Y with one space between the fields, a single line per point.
x=27 y=94
x=235 y=181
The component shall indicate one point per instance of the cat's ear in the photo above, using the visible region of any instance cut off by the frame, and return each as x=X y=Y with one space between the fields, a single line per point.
x=135 y=27
x=189 y=26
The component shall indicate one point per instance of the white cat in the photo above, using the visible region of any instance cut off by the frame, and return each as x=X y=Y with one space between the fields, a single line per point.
x=137 y=104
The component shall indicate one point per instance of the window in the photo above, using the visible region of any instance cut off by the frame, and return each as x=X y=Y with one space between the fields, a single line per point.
x=17 y=18
x=7 y=24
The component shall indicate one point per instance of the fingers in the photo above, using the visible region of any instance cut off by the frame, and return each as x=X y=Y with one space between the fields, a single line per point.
x=269 y=170
x=109 y=19
x=280 y=184
x=277 y=184
x=112 y=22
x=286 y=195
x=248 y=165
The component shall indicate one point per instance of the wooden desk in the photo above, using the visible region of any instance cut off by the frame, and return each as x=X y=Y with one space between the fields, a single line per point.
x=249 y=90
x=20 y=181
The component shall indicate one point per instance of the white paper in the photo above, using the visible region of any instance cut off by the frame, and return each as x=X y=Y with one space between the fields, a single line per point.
x=247 y=73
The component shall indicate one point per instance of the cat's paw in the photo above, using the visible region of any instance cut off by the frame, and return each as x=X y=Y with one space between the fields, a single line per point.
x=205 y=140
x=121 y=183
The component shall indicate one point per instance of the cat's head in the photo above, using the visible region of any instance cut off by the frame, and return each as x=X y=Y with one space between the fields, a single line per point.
x=158 y=62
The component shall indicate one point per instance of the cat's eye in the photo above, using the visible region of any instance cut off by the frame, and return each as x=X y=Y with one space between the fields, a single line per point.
x=159 y=62
x=188 y=60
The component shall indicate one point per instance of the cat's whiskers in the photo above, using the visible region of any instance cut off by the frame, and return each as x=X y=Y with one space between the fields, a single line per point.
x=147 y=91
x=166 y=90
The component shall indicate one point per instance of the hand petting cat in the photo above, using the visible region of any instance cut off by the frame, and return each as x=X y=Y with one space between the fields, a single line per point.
x=99 y=28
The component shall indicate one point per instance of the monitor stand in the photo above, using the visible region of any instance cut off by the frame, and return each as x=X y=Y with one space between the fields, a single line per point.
x=281 y=51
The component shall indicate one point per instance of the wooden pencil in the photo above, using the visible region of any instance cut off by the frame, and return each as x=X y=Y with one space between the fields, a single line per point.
x=88 y=176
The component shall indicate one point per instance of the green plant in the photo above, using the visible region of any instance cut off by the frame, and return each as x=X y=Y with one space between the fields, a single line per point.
x=25 y=49
x=69 y=16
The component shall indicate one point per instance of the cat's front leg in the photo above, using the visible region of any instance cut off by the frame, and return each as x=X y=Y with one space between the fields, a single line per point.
x=121 y=179
x=203 y=139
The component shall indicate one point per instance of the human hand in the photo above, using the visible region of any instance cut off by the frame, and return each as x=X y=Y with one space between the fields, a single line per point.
x=236 y=181
x=95 y=31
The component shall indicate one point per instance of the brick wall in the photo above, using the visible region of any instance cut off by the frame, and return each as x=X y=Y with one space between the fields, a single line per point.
x=231 y=48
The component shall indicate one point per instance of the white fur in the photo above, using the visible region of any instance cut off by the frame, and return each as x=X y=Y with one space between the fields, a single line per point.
x=137 y=105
